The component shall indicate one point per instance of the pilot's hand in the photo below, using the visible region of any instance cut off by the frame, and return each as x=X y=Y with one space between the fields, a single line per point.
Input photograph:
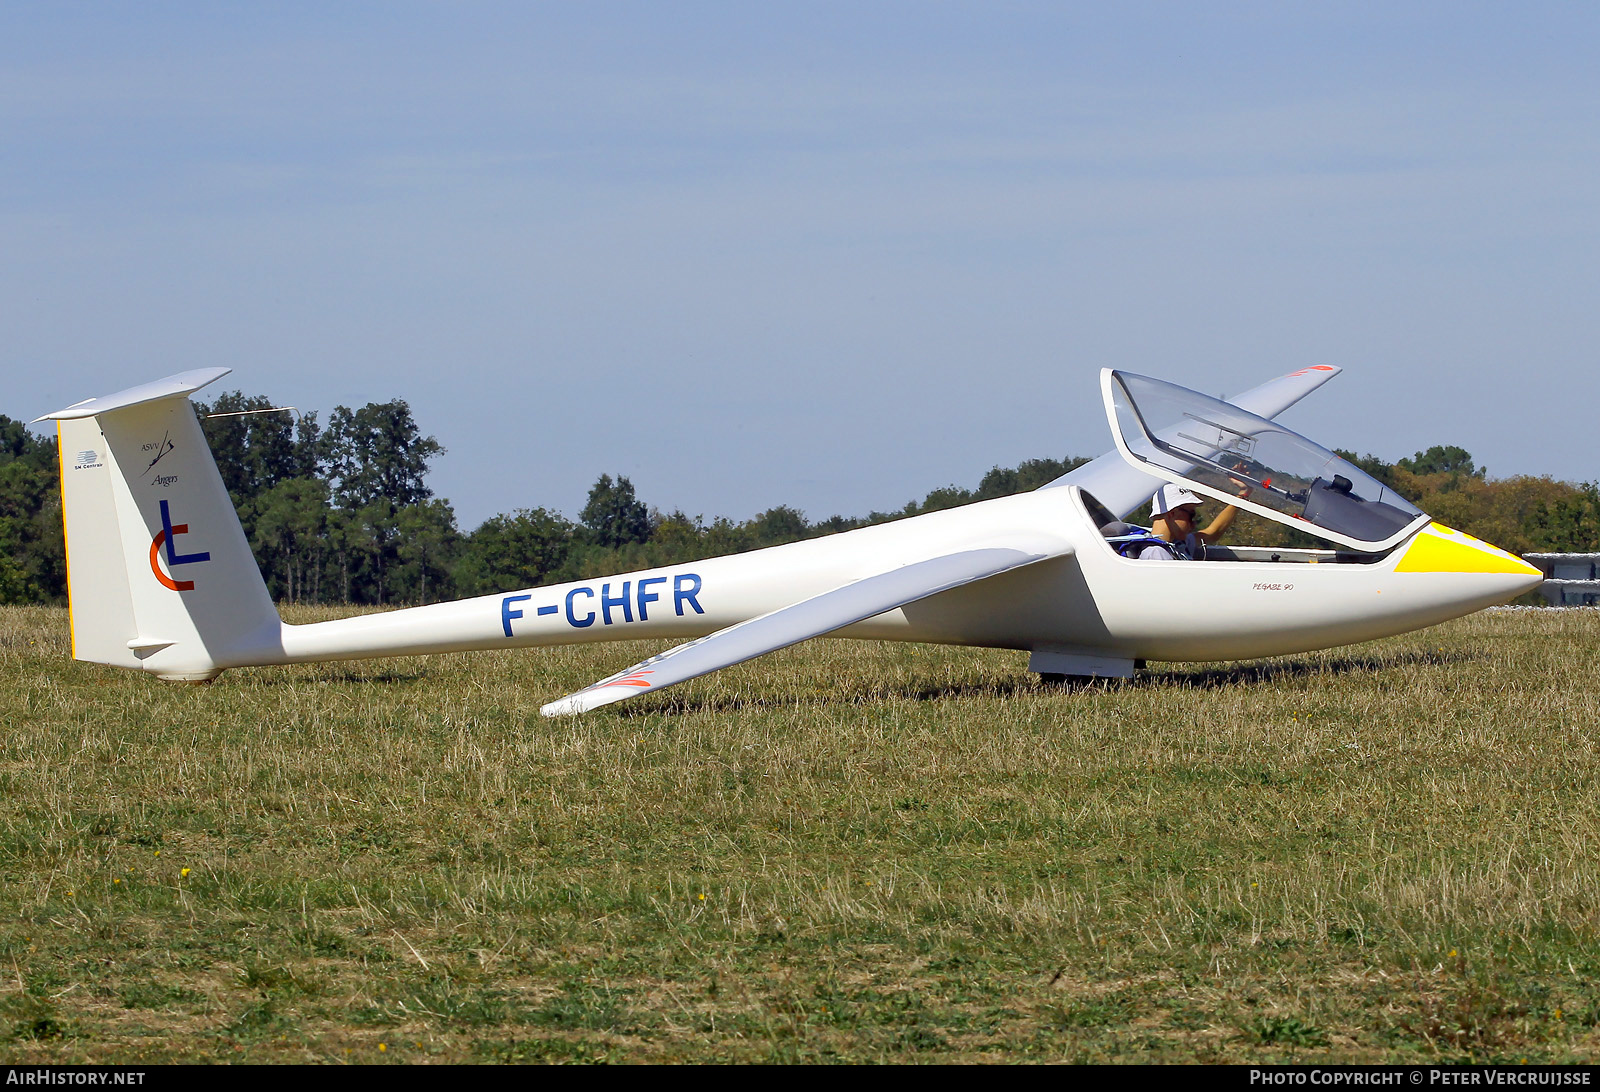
x=1243 y=487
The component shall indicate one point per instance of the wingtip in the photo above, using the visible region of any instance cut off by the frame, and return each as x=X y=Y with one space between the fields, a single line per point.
x=585 y=700
x=569 y=706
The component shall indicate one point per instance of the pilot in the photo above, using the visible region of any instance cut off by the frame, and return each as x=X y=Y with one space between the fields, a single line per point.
x=1173 y=518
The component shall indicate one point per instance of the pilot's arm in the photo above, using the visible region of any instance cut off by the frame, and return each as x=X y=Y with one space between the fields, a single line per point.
x=1225 y=518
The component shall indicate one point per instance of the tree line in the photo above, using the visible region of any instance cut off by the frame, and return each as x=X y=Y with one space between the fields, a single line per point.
x=341 y=512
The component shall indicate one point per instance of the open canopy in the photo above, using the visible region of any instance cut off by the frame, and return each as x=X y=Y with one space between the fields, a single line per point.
x=1222 y=451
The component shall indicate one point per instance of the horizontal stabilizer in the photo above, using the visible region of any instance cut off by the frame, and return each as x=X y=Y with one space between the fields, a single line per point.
x=809 y=618
x=173 y=386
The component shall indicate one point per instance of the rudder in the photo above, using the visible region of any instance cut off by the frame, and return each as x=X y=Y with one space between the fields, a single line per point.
x=160 y=576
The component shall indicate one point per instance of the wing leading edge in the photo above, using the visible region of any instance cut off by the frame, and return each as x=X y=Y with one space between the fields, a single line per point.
x=832 y=610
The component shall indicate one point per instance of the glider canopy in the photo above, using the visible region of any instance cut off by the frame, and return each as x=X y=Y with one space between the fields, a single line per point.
x=1220 y=450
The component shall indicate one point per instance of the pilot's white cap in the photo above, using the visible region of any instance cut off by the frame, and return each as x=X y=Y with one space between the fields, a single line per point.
x=1169 y=497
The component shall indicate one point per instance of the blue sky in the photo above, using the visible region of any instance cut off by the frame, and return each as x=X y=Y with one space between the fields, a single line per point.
x=831 y=255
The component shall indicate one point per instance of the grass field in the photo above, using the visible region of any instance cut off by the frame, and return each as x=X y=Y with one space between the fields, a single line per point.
x=853 y=852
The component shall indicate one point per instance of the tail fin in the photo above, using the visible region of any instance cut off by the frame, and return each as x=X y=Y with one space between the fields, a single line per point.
x=159 y=574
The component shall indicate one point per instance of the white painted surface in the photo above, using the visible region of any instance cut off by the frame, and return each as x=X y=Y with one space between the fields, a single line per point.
x=1069 y=595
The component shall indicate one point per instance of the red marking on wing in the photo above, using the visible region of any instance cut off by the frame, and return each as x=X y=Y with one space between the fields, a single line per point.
x=634 y=678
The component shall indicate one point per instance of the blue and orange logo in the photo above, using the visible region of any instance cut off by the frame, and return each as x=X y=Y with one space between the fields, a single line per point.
x=164 y=537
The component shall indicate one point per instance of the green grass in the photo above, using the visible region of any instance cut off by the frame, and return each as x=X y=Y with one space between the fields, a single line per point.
x=852 y=852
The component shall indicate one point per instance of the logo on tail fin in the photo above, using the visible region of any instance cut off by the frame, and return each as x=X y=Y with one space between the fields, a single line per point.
x=164 y=537
x=162 y=450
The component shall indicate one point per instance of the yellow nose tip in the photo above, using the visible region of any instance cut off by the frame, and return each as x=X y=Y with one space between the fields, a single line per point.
x=1440 y=549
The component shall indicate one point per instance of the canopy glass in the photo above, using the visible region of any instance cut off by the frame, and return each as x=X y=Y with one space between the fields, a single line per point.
x=1225 y=452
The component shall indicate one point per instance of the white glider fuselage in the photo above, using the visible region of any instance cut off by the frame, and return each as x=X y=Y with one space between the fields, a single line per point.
x=161 y=578
x=1090 y=598
x=702 y=597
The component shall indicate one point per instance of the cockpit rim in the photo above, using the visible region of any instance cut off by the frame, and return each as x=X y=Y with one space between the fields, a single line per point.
x=1086 y=503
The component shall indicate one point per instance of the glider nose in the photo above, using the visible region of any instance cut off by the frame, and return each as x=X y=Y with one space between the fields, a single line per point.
x=1484 y=574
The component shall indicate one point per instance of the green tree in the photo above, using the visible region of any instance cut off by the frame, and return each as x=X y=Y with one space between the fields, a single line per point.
x=1025 y=477
x=1567 y=524
x=32 y=549
x=17 y=444
x=377 y=454
x=520 y=550
x=614 y=515
x=426 y=542
x=951 y=496
x=255 y=449
x=679 y=537
x=377 y=462
x=368 y=539
x=1441 y=460
x=1517 y=514
x=776 y=526
x=290 y=538
x=346 y=555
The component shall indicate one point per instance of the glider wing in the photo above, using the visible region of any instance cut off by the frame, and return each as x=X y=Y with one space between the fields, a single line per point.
x=1277 y=395
x=853 y=602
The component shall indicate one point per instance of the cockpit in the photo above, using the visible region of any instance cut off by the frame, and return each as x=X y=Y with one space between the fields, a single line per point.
x=1221 y=451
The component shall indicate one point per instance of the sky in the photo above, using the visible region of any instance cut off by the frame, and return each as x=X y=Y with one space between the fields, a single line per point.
x=825 y=255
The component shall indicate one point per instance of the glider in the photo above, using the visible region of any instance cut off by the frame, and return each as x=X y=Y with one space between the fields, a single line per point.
x=161 y=578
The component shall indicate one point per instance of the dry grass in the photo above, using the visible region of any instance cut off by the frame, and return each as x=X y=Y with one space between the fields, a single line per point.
x=844 y=851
